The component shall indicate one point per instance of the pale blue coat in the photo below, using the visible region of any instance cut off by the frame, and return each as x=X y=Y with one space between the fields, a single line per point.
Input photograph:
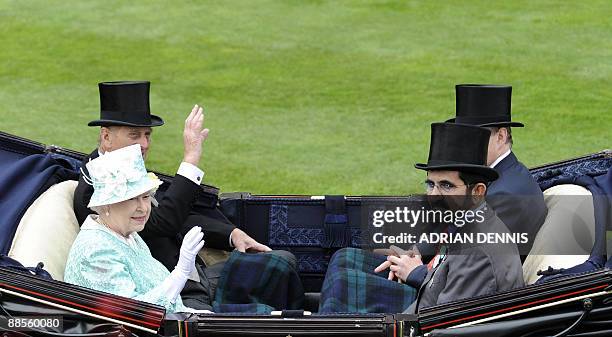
x=102 y=260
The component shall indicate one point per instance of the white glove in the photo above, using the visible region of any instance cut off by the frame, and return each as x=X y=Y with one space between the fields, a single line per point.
x=192 y=243
x=175 y=282
x=173 y=285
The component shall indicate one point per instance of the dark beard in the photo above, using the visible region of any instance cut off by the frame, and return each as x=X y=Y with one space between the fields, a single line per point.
x=438 y=203
x=451 y=202
x=468 y=201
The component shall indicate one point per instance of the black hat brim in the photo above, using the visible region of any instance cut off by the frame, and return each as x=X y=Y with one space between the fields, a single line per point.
x=501 y=125
x=494 y=125
x=485 y=171
x=155 y=121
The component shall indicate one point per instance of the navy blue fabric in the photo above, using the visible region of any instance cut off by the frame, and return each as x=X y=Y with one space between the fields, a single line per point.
x=605 y=183
x=417 y=276
x=600 y=189
x=517 y=199
x=282 y=235
x=548 y=177
x=69 y=162
x=7 y=262
x=22 y=180
x=337 y=232
x=335 y=227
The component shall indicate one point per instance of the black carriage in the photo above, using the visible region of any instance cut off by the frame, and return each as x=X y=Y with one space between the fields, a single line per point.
x=575 y=305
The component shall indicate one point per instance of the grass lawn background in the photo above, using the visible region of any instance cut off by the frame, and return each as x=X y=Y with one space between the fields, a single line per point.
x=314 y=97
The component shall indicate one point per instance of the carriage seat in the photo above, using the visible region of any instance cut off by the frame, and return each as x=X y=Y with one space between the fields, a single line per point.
x=569 y=229
x=47 y=229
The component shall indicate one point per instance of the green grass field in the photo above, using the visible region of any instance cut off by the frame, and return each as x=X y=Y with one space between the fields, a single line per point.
x=315 y=97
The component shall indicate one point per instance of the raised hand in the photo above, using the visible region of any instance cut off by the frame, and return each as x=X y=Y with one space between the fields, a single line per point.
x=192 y=243
x=194 y=135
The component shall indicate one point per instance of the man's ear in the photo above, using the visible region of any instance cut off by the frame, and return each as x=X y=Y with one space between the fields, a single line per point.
x=502 y=135
x=106 y=139
x=479 y=189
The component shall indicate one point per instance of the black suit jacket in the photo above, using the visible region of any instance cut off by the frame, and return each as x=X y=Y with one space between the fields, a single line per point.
x=180 y=208
x=517 y=199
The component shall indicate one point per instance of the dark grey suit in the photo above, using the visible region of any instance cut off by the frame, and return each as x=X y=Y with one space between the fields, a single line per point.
x=470 y=270
x=517 y=199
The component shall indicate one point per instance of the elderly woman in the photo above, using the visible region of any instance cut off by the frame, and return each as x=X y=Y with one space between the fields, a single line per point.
x=108 y=254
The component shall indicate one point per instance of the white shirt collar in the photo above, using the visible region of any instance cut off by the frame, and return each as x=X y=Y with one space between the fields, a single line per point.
x=500 y=158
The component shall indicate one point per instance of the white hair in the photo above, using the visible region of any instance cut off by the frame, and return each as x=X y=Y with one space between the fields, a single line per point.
x=97 y=209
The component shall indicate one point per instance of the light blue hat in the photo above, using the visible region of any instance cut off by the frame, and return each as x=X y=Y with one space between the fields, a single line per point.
x=118 y=176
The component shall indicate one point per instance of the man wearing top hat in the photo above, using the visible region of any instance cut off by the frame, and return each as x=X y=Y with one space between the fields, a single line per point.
x=457 y=180
x=515 y=196
x=125 y=119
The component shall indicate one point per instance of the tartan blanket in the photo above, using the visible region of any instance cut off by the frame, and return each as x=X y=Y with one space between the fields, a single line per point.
x=351 y=286
x=258 y=283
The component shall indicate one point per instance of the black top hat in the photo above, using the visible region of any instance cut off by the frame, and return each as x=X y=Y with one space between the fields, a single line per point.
x=125 y=103
x=459 y=147
x=484 y=105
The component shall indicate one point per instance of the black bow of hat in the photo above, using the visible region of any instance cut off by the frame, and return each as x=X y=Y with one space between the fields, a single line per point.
x=484 y=105
x=459 y=147
x=125 y=103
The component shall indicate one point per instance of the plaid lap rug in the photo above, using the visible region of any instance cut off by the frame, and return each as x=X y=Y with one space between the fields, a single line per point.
x=258 y=283
x=351 y=286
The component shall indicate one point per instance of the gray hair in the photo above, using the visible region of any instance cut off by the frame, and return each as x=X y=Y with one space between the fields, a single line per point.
x=97 y=209
x=509 y=131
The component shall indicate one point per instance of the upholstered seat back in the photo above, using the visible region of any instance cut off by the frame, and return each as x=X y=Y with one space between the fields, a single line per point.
x=47 y=229
x=568 y=231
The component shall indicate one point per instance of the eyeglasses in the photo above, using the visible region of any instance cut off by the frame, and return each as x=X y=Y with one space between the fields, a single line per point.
x=444 y=187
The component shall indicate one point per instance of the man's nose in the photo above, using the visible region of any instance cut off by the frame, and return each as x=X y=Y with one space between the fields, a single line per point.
x=144 y=144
